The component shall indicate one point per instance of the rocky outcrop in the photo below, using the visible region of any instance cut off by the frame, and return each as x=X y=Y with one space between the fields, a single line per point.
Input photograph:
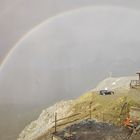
x=45 y=120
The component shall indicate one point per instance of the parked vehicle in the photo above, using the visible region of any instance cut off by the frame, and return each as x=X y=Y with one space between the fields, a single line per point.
x=106 y=92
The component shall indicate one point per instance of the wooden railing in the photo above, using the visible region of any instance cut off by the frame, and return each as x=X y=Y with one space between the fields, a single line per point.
x=77 y=117
x=134 y=83
x=60 y=123
x=71 y=119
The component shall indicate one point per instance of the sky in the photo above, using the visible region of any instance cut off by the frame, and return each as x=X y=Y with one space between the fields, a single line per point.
x=52 y=50
x=18 y=17
x=69 y=54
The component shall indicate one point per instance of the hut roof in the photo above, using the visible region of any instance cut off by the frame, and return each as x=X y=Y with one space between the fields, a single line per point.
x=138 y=72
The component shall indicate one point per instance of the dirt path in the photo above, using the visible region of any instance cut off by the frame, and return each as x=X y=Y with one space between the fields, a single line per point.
x=91 y=130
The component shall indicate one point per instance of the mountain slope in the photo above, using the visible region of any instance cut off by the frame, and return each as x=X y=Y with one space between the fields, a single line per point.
x=103 y=108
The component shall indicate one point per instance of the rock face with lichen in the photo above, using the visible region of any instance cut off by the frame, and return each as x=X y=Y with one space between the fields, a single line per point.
x=109 y=105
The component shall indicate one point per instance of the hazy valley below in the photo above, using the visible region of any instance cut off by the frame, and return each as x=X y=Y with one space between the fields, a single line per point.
x=14 y=117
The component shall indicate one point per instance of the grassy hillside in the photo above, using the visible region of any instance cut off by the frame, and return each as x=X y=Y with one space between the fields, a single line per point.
x=107 y=107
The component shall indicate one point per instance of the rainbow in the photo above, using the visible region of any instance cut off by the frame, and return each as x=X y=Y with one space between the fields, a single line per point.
x=37 y=27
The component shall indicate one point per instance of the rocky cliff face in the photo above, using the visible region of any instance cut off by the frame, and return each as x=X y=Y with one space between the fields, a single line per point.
x=45 y=120
x=107 y=104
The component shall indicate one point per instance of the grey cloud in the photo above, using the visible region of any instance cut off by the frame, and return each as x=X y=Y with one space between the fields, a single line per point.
x=17 y=17
x=71 y=54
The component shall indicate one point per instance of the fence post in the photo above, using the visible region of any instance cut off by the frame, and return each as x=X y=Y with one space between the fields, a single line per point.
x=55 y=121
x=70 y=133
x=90 y=113
x=52 y=137
x=103 y=119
